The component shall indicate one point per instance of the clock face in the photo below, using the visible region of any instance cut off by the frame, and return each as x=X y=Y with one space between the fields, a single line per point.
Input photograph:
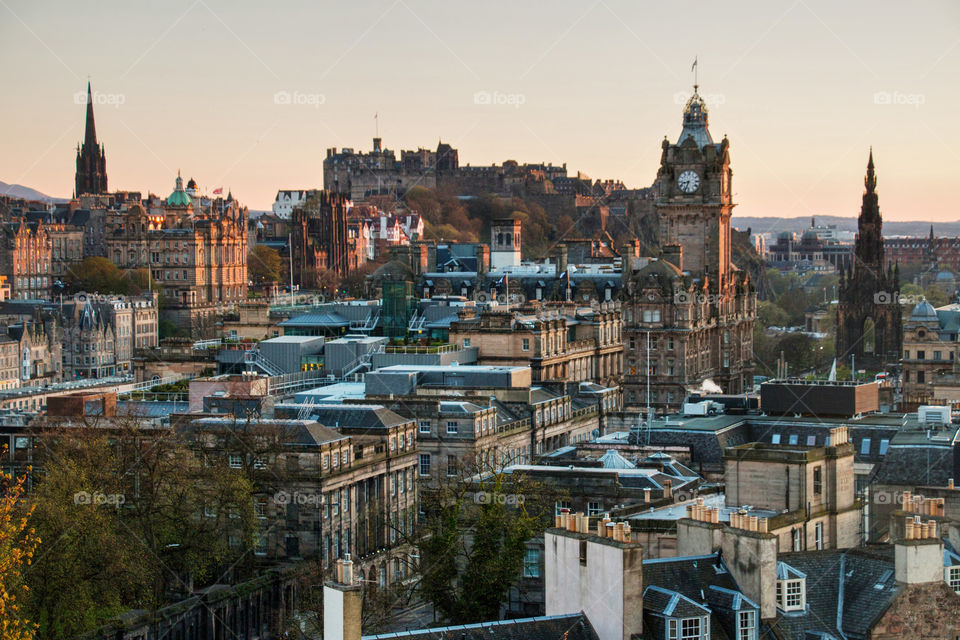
x=688 y=181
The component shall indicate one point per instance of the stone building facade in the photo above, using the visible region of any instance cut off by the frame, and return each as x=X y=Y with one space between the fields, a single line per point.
x=929 y=350
x=559 y=342
x=196 y=254
x=692 y=306
x=25 y=259
x=66 y=250
x=359 y=175
x=321 y=492
x=810 y=489
x=319 y=238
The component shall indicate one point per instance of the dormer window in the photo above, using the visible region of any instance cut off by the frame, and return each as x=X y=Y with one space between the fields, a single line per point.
x=746 y=625
x=791 y=588
x=952 y=577
x=790 y=595
x=688 y=628
x=951 y=570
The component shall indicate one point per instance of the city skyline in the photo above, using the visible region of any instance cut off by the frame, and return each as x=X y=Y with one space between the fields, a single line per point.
x=203 y=88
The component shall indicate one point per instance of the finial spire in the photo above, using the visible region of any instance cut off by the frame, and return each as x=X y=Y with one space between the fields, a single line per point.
x=871 y=180
x=90 y=135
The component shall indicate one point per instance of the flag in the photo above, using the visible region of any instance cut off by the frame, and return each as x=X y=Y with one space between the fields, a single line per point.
x=694 y=65
x=218 y=191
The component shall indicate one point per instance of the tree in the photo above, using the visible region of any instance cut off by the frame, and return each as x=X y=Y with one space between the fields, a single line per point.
x=770 y=315
x=264 y=264
x=473 y=539
x=132 y=516
x=355 y=283
x=17 y=546
x=936 y=295
x=100 y=275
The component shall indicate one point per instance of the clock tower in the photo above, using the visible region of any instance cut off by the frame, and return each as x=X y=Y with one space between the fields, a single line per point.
x=688 y=316
x=693 y=196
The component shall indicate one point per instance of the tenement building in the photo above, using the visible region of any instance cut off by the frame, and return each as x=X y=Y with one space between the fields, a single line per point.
x=558 y=341
x=324 y=491
x=25 y=259
x=929 y=351
x=688 y=316
x=194 y=249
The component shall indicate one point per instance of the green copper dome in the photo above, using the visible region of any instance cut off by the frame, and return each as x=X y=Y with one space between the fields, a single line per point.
x=179 y=197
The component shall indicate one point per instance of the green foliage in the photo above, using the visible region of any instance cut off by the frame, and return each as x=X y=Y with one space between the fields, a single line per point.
x=168 y=329
x=125 y=519
x=771 y=315
x=100 y=275
x=264 y=264
x=472 y=550
x=936 y=295
x=802 y=352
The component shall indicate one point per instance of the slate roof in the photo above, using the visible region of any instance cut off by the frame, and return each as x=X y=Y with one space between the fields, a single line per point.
x=566 y=627
x=855 y=587
x=694 y=577
x=670 y=603
x=356 y=416
x=300 y=432
x=316 y=319
x=688 y=575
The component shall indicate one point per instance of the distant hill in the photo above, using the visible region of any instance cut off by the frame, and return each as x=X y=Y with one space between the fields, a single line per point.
x=916 y=228
x=20 y=191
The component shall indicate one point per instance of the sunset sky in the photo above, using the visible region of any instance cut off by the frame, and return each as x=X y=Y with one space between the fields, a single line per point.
x=801 y=88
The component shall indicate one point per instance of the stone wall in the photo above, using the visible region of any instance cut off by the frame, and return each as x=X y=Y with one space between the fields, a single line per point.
x=929 y=610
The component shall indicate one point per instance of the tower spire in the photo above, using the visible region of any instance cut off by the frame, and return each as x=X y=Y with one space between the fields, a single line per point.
x=91 y=176
x=871 y=180
x=90 y=137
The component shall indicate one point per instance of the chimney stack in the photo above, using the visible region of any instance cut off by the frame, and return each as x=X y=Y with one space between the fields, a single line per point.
x=919 y=554
x=561 y=259
x=483 y=262
x=342 y=602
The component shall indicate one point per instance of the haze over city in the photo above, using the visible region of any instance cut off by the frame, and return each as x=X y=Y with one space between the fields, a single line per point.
x=801 y=89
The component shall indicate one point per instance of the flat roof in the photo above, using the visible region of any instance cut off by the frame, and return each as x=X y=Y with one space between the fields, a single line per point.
x=292 y=339
x=357 y=339
x=678 y=510
x=466 y=368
